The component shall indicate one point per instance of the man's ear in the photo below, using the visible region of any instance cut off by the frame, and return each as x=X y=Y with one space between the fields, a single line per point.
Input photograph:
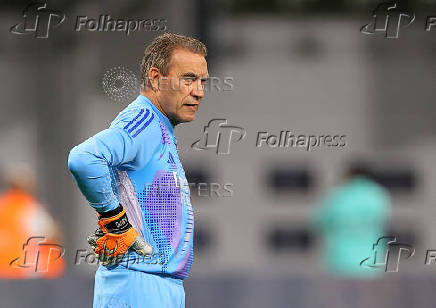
x=153 y=78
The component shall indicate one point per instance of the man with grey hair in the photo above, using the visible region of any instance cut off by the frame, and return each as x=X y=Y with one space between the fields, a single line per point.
x=132 y=176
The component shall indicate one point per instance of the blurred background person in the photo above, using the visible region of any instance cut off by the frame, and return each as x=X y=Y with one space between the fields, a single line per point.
x=350 y=221
x=26 y=226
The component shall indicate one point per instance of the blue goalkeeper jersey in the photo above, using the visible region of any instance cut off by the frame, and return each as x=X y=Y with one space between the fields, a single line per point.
x=135 y=162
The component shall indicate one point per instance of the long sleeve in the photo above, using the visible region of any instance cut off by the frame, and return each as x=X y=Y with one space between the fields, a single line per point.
x=126 y=144
x=90 y=161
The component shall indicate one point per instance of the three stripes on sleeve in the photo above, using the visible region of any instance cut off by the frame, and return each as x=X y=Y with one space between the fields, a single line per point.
x=139 y=122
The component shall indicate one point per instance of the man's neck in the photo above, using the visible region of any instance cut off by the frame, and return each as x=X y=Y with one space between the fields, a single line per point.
x=152 y=97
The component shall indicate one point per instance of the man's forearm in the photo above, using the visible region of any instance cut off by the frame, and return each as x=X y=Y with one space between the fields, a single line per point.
x=90 y=169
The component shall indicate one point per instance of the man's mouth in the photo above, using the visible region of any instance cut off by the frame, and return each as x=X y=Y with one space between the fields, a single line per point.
x=192 y=105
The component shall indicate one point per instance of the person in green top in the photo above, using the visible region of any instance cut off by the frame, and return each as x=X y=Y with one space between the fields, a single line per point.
x=350 y=221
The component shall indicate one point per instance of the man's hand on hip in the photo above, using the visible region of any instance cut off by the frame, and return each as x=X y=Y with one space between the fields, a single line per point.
x=115 y=237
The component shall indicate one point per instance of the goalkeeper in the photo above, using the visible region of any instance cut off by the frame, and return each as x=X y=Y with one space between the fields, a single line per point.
x=144 y=238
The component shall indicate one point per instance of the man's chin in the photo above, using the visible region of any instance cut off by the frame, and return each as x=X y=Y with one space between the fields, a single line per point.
x=189 y=117
x=185 y=119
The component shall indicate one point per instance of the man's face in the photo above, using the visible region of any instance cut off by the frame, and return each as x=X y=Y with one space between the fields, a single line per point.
x=180 y=92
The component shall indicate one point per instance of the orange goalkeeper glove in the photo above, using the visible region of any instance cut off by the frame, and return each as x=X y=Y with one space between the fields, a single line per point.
x=115 y=237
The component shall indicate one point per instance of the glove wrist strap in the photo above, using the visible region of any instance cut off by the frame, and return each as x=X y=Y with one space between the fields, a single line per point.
x=111 y=213
x=114 y=221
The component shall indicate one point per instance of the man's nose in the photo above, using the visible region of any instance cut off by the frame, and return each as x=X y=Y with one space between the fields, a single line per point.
x=198 y=90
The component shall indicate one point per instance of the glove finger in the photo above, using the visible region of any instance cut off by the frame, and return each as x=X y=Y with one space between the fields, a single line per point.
x=111 y=260
x=142 y=247
x=107 y=257
x=104 y=259
x=92 y=241
x=108 y=261
x=101 y=258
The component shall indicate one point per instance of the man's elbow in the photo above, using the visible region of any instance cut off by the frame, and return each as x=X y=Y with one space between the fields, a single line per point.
x=76 y=161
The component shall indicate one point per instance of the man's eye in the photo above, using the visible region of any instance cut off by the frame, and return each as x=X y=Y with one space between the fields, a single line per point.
x=204 y=80
x=189 y=79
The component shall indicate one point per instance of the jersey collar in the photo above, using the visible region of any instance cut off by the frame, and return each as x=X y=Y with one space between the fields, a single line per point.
x=162 y=117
